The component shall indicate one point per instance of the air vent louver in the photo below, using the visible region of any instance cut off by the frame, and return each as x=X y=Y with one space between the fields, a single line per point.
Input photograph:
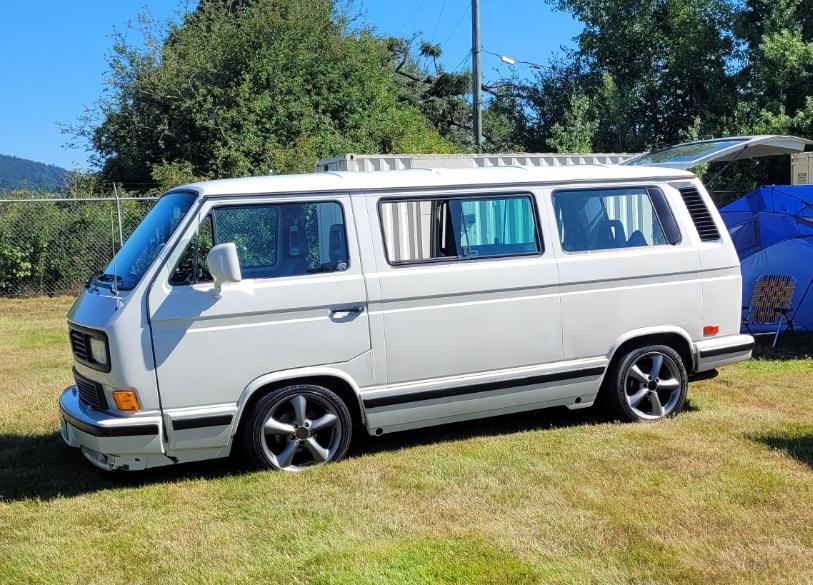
x=701 y=216
x=90 y=392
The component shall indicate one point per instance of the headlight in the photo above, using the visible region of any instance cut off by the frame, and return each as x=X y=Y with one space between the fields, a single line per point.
x=98 y=350
x=90 y=347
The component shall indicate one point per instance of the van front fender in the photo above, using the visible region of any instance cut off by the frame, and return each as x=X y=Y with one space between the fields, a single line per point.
x=294 y=376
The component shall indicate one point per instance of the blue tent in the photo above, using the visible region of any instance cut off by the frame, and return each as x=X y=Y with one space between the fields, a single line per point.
x=772 y=229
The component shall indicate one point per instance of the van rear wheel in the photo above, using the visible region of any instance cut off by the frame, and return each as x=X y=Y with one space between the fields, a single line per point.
x=648 y=383
x=296 y=427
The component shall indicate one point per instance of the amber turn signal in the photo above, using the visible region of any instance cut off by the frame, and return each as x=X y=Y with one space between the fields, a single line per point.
x=711 y=330
x=126 y=400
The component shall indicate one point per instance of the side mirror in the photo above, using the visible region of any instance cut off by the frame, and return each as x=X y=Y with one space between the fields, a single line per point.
x=224 y=265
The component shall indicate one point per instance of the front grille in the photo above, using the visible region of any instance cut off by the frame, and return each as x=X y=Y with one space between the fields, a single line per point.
x=701 y=216
x=80 y=344
x=90 y=392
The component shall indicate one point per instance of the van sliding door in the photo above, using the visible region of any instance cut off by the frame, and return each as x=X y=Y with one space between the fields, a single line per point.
x=468 y=297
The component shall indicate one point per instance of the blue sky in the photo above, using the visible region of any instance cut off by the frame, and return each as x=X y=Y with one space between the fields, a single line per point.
x=54 y=54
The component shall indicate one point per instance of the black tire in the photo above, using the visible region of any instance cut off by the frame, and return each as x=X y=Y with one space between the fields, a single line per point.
x=628 y=397
x=273 y=429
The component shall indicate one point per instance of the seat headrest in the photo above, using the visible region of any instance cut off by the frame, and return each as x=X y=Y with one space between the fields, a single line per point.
x=609 y=233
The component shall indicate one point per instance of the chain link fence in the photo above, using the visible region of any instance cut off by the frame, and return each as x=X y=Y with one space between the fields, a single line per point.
x=51 y=246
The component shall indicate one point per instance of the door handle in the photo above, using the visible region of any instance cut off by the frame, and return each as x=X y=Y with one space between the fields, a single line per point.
x=354 y=310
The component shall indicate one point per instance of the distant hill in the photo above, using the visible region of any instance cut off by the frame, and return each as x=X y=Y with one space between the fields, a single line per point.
x=17 y=172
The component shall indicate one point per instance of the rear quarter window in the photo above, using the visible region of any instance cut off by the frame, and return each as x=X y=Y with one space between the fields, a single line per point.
x=613 y=218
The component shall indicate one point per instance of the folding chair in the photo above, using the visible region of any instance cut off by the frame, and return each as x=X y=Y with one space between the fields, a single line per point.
x=770 y=303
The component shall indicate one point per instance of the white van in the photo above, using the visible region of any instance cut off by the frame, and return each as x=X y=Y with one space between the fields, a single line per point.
x=287 y=312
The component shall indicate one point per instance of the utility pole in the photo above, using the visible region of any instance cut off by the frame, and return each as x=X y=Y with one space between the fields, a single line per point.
x=475 y=73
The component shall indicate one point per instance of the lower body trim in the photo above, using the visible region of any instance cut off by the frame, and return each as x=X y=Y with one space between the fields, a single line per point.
x=485 y=387
x=731 y=349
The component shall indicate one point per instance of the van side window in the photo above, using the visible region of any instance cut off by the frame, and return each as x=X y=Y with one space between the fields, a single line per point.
x=459 y=228
x=612 y=218
x=289 y=239
x=254 y=231
x=498 y=227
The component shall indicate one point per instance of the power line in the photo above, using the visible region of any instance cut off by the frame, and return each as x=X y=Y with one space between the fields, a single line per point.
x=463 y=60
x=437 y=24
x=408 y=20
x=457 y=25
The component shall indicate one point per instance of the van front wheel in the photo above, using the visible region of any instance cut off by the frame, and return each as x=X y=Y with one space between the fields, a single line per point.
x=649 y=383
x=296 y=427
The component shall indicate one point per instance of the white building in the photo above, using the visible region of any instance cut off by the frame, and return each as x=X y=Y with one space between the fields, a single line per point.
x=396 y=162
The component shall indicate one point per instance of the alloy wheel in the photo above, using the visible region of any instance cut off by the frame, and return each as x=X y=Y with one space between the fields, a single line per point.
x=301 y=430
x=652 y=386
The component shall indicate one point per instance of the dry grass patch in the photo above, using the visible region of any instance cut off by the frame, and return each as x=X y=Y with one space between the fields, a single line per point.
x=722 y=493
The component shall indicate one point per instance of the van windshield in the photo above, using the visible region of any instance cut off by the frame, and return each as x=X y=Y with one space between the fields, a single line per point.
x=146 y=242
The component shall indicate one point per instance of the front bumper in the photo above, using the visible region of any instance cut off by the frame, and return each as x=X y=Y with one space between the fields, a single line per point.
x=110 y=442
x=713 y=353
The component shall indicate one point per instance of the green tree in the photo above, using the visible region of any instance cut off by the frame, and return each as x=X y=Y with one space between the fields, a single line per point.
x=439 y=94
x=650 y=69
x=650 y=73
x=248 y=87
x=444 y=98
x=777 y=79
x=576 y=133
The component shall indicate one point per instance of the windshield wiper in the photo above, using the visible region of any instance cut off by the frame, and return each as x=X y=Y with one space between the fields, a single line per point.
x=103 y=278
x=91 y=278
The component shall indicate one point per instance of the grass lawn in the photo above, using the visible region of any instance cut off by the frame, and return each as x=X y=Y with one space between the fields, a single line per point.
x=722 y=493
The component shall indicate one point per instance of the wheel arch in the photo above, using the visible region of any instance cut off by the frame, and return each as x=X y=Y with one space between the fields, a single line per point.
x=335 y=380
x=674 y=337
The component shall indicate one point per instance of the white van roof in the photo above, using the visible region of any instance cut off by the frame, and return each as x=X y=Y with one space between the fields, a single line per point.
x=430 y=178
